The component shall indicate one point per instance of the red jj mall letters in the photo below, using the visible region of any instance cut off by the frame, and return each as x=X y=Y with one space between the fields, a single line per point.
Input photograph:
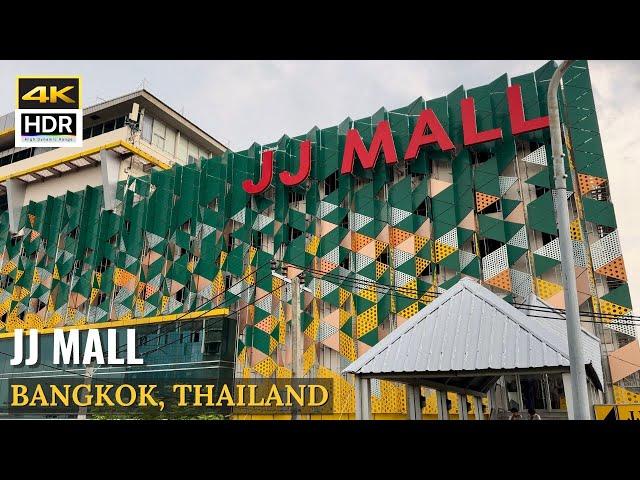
x=428 y=131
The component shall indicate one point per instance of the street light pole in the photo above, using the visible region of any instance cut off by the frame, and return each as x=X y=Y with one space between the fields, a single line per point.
x=574 y=330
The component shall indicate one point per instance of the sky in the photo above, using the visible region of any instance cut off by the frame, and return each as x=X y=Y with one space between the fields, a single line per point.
x=241 y=102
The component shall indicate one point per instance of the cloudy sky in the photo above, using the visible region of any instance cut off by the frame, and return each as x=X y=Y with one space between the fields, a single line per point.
x=240 y=102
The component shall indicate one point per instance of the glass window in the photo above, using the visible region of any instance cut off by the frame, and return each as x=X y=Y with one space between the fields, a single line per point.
x=193 y=150
x=96 y=129
x=158 y=134
x=183 y=147
x=147 y=128
x=511 y=387
x=169 y=140
x=533 y=391
x=120 y=122
x=109 y=126
x=556 y=391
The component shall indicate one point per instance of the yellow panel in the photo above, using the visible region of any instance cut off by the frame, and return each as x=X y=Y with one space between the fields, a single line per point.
x=344 y=395
x=369 y=293
x=420 y=242
x=611 y=308
x=265 y=367
x=347 y=346
x=308 y=359
x=410 y=311
x=8 y=268
x=392 y=399
x=380 y=269
x=624 y=396
x=283 y=372
x=442 y=251
x=628 y=412
x=410 y=290
x=367 y=321
x=601 y=411
x=421 y=264
x=312 y=246
x=576 y=231
x=547 y=289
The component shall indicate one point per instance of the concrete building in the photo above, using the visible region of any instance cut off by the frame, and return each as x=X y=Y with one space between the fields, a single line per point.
x=161 y=137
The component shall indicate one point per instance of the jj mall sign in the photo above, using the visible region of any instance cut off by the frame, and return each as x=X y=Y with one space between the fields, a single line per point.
x=428 y=131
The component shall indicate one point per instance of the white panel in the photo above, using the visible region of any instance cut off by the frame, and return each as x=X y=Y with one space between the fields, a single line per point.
x=326 y=287
x=400 y=257
x=398 y=215
x=358 y=220
x=538 y=156
x=239 y=217
x=362 y=261
x=333 y=256
x=325 y=331
x=450 y=238
x=465 y=258
x=401 y=279
x=495 y=262
x=264 y=303
x=325 y=209
x=506 y=183
x=578 y=253
x=550 y=250
x=521 y=282
x=520 y=239
x=605 y=250
x=261 y=221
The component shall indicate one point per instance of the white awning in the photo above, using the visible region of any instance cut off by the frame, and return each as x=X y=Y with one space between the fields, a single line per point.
x=468 y=332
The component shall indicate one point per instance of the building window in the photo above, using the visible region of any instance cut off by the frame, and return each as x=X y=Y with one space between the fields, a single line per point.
x=294 y=233
x=540 y=191
x=147 y=128
x=157 y=138
x=331 y=183
x=295 y=196
x=495 y=207
x=488 y=245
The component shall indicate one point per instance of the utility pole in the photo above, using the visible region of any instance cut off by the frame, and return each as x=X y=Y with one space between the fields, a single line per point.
x=88 y=378
x=296 y=336
x=574 y=330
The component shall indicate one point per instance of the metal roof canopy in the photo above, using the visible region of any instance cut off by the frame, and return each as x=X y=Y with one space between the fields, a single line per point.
x=465 y=340
x=83 y=159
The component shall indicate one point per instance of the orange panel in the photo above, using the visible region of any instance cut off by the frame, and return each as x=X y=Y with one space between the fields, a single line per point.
x=624 y=361
x=589 y=182
x=483 y=200
x=614 y=269
x=502 y=280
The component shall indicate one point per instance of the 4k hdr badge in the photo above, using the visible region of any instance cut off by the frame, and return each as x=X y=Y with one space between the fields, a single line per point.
x=48 y=112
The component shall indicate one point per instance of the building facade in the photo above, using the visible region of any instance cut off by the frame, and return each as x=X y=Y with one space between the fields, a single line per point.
x=375 y=239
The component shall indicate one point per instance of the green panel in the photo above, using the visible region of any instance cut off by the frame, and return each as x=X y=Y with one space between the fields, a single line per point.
x=541 y=214
x=599 y=212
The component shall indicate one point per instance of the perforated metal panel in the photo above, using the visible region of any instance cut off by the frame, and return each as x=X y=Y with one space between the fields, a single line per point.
x=495 y=262
x=605 y=250
x=465 y=258
x=450 y=238
x=506 y=183
x=550 y=250
x=520 y=239
x=521 y=283
x=398 y=215
x=400 y=257
x=538 y=156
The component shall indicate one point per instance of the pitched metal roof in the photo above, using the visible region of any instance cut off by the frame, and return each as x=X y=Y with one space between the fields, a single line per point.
x=467 y=328
x=554 y=320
